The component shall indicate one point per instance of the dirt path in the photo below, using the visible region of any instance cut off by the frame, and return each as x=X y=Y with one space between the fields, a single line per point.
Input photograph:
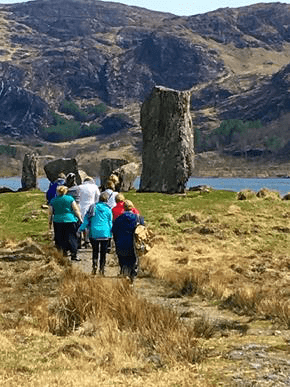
x=247 y=352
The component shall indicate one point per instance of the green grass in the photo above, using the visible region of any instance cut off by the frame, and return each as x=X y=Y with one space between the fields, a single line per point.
x=22 y=216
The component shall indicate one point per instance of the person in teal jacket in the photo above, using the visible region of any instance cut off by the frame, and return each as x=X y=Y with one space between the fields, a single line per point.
x=65 y=217
x=99 y=220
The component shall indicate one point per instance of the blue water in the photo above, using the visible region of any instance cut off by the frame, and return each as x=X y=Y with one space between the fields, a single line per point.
x=282 y=185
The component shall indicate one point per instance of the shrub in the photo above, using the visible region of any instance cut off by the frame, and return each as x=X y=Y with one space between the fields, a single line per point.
x=70 y=107
x=97 y=110
x=8 y=150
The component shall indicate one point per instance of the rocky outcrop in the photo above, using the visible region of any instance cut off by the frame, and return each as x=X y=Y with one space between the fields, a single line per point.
x=254 y=26
x=93 y=52
x=168 y=143
x=21 y=111
x=127 y=174
x=54 y=168
x=29 y=171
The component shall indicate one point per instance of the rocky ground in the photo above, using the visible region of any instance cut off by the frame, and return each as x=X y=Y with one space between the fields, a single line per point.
x=246 y=351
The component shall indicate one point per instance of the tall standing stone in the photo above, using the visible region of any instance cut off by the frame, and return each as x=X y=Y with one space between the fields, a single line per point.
x=168 y=141
x=29 y=171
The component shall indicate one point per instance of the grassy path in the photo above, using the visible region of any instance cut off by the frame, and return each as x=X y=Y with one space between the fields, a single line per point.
x=244 y=350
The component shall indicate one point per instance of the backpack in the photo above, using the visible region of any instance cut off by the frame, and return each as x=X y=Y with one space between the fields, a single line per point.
x=142 y=239
x=51 y=192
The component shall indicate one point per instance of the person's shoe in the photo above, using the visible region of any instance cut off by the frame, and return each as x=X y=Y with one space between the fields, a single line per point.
x=75 y=258
x=94 y=270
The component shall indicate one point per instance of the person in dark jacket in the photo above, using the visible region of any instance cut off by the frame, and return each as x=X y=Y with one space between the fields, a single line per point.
x=51 y=192
x=123 y=234
x=65 y=216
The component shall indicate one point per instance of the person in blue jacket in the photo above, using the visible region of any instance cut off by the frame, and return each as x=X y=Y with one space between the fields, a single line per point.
x=98 y=220
x=123 y=233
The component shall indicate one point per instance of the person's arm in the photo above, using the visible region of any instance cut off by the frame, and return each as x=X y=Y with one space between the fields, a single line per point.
x=76 y=211
x=50 y=217
x=111 y=221
x=97 y=195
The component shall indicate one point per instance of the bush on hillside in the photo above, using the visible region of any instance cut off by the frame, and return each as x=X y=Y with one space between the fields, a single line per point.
x=88 y=114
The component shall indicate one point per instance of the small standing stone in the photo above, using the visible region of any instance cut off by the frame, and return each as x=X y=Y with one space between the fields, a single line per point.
x=29 y=171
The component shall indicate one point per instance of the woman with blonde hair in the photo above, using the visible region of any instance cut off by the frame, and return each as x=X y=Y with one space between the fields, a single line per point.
x=119 y=208
x=65 y=215
x=110 y=189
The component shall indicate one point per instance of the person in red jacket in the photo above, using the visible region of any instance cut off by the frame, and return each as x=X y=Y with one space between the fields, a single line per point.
x=119 y=208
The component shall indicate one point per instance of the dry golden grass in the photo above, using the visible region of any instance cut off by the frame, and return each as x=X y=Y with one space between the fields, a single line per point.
x=63 y=327
x=113 y=305
x=239 y=257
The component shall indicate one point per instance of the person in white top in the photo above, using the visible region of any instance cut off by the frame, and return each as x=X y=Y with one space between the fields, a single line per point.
x=89 y=194
x=110 y=188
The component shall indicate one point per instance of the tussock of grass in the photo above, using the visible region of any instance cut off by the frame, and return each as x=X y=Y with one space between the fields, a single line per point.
x=267 y=194
x=277 y=308
x=104 y=303
x=246 y=194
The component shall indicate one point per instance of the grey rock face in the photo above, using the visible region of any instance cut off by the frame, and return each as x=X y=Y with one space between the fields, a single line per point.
x=55 y=167
x=29 y=171
x=168 y=141
x=21 y=112
x=127 y=174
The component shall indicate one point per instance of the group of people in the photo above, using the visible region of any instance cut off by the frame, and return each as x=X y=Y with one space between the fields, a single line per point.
x=83 y=212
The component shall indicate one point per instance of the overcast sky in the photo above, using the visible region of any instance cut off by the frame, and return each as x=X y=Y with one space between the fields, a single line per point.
x=181 y=7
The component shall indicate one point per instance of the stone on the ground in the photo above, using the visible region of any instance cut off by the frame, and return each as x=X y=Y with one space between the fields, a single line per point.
x=168 y=141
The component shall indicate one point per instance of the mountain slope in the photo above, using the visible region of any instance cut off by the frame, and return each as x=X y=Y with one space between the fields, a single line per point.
x=91 y=52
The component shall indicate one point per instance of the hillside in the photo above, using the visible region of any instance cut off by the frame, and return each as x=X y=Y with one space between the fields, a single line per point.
x=73 y=68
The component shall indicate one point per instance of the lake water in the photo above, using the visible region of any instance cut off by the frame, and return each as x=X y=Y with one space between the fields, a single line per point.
x=282 y=185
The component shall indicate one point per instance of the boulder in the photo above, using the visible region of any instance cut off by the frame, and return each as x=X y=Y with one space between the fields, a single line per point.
x=29 y=171
x=5 y=189
x=54 y=168
x=168 y=141
x=107 y=168
x=127 y=174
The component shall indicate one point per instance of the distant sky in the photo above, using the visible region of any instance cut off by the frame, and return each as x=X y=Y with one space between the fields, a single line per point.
x=181 y=7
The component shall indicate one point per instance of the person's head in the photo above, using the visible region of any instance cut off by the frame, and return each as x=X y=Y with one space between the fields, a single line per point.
x=88 y=180
x=70 y=180
x=128 y=205
x=110 y=185
x=104 y=196
x=114 y=178
x=61 y=176
x=119 y=198
x=61 y=190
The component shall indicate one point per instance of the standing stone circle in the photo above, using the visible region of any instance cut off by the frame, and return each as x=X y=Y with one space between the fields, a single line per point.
x=168 y=141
